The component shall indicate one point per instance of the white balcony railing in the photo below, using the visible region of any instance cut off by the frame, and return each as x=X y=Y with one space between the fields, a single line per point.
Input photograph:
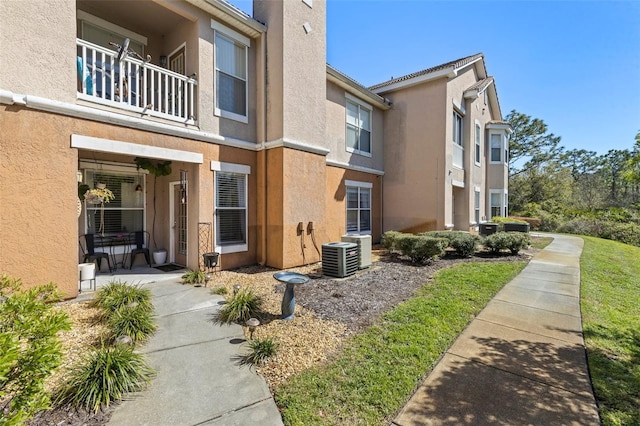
x=134 y=85
x=458 y=156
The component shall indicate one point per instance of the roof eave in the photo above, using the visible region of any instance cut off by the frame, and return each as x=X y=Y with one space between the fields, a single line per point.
x=347 y=84
x=229 y=14
x=448 y=72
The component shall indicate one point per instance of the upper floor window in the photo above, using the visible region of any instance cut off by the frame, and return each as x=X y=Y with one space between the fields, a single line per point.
x=358 y=207
x=458 y=149
x=358 y=127
x=478 y=150
x=230 y=206
x=496 y=148
x=231 y=53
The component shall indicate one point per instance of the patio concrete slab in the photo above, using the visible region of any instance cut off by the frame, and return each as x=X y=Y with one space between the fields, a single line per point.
x=555 y=362
x=460 y=391
x=558 y=326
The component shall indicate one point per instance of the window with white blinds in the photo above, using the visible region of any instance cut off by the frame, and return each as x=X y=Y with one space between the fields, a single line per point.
x=123 y=214
x=358 y=128
x=231 y=58
x=358 y=207
x=230 y=208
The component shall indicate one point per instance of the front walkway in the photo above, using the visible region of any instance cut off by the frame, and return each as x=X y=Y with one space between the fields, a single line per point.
x=199 y=381
x=522 y=360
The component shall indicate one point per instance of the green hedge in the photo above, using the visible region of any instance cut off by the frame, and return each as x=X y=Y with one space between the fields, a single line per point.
x=512 y=241
x=421 y=248
x=464 y=243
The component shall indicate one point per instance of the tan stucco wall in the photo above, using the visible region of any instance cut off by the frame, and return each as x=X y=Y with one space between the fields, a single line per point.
x=414 y=131
x=35 y=37
x=295 y=107
x=336 y=132
x=38 y=193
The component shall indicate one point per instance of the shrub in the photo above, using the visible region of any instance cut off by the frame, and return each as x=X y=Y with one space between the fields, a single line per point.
x=219 y=290
x=105 y=376
x=30 y=349
x=628 y=233
x=132 y=320
x=243 y=305
x=118 y=294
x=260 y=350
x=194 y=277
x=421 y=248
x=390 y=240
x=512 y=241
x=465 y=244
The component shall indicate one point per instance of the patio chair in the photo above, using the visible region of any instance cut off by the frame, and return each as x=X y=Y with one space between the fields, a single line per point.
x=89 y=252
x=141 y=240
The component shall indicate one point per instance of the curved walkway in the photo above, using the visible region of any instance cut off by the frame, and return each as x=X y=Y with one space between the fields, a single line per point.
x=522 y=360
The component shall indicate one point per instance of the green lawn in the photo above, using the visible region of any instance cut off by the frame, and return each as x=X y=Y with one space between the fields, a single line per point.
x=611 y=324
x=379 y=369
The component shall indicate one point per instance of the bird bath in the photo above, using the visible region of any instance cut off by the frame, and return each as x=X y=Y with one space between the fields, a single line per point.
x=291 y=279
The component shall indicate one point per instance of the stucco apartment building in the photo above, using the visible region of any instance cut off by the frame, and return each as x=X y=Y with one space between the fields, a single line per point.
x=272 y=151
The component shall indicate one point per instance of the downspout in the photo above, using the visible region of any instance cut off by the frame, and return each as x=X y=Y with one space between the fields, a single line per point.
x=263 y=138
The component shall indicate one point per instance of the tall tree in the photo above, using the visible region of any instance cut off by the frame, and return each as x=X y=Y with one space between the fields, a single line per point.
x=530 y=145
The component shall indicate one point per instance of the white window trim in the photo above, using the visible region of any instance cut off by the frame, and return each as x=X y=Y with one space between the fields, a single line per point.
x=366 y=185
x=217 y=166
x=502 y=138
x=477 y=137
x=369 y=108
x=504 y=208
x=239 y=38
x=478 y=207
x=110 y=26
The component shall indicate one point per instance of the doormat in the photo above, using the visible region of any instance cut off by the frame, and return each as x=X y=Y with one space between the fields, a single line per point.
x=169 y=267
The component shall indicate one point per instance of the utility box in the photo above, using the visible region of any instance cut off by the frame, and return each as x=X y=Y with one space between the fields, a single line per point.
x=488 y=228
x=516 y=227
x=364 y=248
x=339 y=259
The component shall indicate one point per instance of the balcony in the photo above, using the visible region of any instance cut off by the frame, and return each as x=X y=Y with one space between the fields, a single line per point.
x=134 y=85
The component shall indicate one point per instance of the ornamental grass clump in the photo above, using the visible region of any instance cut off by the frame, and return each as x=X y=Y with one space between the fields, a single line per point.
x=104 y=376
x=260 y=350
x=194 y=277
x=133 y=321
x=118 y=294
x=243 y=305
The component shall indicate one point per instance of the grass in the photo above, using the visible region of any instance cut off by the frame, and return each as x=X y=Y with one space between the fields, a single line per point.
x=242 y=306
x=379 y=369
x=260 y=350
x=611 y=323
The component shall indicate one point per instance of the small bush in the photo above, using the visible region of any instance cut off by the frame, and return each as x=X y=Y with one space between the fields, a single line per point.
x=29 y=348
x=105 y=376
x=194 y=277
x=512 y=241
x=421 y=248
x=390 y=240
x=465 y=244
x=261 y=350
x=219 y=290
x=118 y=294
x=242 y=306
x=133 y=321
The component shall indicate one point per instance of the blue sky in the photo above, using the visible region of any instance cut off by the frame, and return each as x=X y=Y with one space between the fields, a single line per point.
x=573 y=64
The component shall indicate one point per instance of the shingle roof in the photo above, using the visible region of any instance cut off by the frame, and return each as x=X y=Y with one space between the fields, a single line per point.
x=458 y=63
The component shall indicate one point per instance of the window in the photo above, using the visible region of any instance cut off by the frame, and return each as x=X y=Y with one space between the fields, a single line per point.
x=231 y=50
x=230 y=206
x=457 y=128
x=499 y=200
x=126 y=212
x=458 y=150
x=358 y=128
x=496 y=148
x=358 y=207
x=476 y=215
x=478 y=151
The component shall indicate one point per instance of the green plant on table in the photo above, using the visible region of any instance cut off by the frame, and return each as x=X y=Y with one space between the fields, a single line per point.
x=105 y=376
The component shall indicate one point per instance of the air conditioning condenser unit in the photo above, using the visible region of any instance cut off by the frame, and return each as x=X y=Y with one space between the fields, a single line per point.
x=364 y=248
x=340 y=259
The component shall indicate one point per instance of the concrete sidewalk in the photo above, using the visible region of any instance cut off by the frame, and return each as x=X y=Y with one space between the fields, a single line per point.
x=199 y=381
x=521 y=360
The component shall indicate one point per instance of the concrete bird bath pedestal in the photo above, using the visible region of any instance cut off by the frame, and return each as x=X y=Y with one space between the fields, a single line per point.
x=291 y=279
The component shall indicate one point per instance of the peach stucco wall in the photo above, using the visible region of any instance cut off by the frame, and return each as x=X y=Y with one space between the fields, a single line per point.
x=415 y=153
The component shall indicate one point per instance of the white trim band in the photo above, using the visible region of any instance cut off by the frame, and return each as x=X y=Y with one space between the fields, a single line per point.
x=355 y=168
x=128 y=148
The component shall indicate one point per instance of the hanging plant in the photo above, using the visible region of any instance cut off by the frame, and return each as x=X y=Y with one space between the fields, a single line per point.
x=99 y=195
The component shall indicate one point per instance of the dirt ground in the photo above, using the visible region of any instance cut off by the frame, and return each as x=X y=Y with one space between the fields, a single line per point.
x=328 y=311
